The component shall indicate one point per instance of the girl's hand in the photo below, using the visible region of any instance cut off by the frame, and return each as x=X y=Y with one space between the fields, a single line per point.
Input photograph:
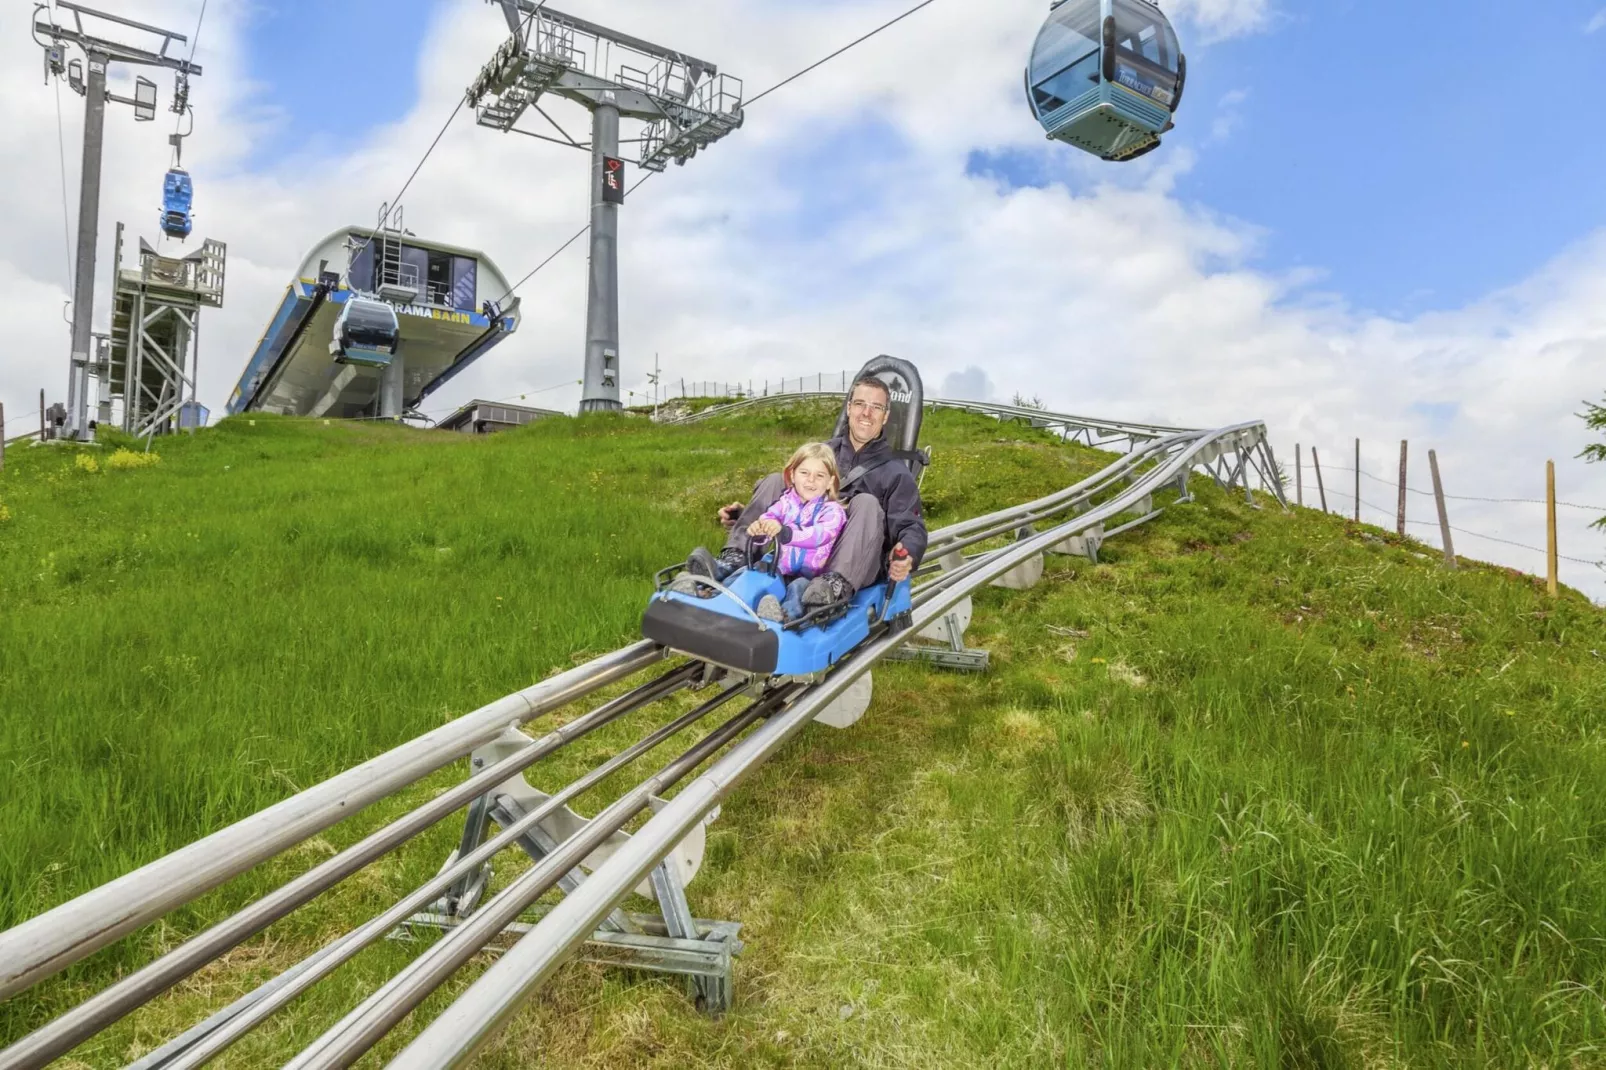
x=764 y=526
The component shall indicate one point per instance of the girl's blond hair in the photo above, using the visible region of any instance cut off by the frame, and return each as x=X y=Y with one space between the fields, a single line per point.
x=815 y=451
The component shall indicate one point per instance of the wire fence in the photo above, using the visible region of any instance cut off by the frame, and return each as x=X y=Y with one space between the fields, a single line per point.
x=1390 y=513
x=677 y=389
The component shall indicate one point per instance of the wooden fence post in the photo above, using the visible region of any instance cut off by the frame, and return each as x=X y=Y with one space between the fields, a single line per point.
x=1399 y=516
x=2 y=436
x=1444 y=515
x=1552 y=558
x=1321 y=488
x=1299 y=477
x=1357 y=481
x=41 y=416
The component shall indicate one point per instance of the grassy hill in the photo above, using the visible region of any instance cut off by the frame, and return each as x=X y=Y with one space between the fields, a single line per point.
x=1259 y=789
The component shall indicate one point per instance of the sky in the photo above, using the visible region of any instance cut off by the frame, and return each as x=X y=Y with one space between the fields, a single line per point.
x=1373 y=220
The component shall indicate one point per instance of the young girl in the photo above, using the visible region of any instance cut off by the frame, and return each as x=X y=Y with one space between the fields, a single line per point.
x=809 y=519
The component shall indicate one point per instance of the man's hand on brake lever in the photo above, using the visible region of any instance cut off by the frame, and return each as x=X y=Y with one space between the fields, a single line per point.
x=899 y=564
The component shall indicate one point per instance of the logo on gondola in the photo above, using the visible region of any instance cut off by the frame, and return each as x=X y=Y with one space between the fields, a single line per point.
x=1130 y=79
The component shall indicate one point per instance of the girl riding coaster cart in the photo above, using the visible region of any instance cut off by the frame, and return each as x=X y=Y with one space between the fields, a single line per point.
x=876 y=438
x=804 y=522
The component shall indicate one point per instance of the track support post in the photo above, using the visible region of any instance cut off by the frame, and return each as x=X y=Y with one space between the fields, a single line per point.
x=668 y=941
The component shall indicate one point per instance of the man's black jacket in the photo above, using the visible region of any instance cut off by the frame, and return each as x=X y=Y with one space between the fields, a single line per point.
x=892 y=485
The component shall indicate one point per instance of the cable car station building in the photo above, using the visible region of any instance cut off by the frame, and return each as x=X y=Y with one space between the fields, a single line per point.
x=438 y=302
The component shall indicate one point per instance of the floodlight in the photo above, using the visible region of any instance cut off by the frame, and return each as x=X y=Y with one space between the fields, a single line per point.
x=144 y=99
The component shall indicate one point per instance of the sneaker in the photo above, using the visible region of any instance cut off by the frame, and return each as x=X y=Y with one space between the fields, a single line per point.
x=684 y=584
x=730 y=559
x=769 y=608
x=826 y=589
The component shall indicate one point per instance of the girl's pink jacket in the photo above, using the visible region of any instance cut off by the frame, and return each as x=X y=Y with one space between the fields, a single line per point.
x=815 y=526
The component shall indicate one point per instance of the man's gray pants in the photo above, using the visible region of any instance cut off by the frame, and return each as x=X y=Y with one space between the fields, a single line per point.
x=859 y=551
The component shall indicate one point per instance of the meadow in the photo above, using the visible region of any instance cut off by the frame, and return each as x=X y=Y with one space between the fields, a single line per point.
x=1258 y=789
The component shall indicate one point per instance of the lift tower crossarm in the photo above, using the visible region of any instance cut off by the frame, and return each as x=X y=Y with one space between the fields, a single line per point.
x=516 y=10
x=685 y=102
x=100 y=53
x=114 y=50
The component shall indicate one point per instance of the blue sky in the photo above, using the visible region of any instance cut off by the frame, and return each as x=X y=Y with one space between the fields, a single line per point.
x=1417 y=156
x=358 y=70
x=1421 y=154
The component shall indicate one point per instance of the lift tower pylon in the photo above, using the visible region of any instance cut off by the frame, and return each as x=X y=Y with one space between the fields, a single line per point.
x=100 y=52
x=684 y=102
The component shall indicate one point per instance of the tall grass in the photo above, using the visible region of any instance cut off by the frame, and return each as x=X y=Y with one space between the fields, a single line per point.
x=1257 y=790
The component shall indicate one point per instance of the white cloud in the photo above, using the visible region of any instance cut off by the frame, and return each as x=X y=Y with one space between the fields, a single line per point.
x=968 y=384
x=1229 y=114
x=1101 y=293
x=1220 y=19
x=1596 y=23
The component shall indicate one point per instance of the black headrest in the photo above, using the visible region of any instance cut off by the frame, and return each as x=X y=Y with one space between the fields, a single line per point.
x=907 y=403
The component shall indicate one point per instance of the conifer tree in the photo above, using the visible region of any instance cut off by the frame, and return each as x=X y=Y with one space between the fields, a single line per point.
x=1595 y=416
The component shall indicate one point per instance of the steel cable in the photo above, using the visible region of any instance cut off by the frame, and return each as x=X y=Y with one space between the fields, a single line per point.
x=746 y=104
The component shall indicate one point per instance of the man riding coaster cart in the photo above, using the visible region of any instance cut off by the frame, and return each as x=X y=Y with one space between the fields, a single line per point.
x=710 y=610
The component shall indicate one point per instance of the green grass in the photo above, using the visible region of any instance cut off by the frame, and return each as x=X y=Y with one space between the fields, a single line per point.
x=1259 y=789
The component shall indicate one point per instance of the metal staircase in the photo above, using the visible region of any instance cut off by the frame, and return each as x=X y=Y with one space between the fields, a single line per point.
x=150 y=360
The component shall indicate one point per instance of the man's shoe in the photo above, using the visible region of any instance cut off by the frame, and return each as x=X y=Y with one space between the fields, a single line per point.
x=730 y=559
x=769 y=608
x=826 y=589
x=700 y=562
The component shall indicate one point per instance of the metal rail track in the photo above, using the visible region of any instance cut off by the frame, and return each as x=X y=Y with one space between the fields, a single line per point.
x=1089 y=430
x=774 y=714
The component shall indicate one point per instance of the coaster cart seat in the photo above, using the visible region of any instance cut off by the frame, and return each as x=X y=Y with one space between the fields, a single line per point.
x=725 y=629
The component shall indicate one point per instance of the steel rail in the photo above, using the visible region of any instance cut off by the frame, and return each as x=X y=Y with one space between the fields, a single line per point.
x=1045 y=417
x=970 y=532
x=323 y=962
x=365 y=1026
x=110 y=1004
x=485 y=1006
x=1049 y=418
x=1141 y=487
x=52 y=941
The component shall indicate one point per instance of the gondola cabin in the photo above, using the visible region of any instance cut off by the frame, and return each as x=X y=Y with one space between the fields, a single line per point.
x=1106 y=76
x=177 y=194
x=366 y=332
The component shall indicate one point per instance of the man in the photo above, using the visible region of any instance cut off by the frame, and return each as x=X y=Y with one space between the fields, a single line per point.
x=881 y=497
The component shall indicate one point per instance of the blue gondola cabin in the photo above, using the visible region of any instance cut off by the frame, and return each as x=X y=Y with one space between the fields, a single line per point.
x=177 y=194
x=1106 y=76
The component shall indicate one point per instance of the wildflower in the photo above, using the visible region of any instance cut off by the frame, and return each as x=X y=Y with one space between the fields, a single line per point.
x=124 y=459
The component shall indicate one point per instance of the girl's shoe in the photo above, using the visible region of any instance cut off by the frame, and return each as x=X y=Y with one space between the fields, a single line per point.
x=769 y=608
